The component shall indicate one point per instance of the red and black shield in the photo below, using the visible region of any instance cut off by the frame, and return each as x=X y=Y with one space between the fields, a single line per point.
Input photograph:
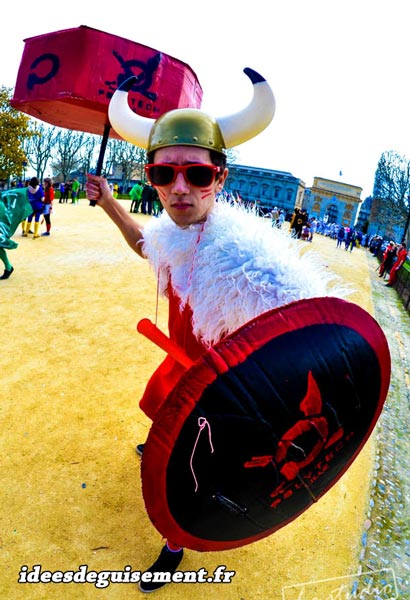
x=264 y=424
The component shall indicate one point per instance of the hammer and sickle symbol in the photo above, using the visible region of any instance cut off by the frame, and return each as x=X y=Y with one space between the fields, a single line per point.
x=34 y=79
x=144 y=72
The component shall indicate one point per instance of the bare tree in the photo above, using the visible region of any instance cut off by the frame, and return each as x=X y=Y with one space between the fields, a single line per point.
x=87 y=155
x=110 y=157
x=140 y=159
x=391 y=189
x=39 y=147
x=127 y=158
x=66 y=154
x=231 y=155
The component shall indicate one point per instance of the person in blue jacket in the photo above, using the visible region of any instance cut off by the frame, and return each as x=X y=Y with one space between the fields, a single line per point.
x=36 y=198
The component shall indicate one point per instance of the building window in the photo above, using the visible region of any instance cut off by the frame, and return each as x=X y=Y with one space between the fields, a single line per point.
x=331 y=213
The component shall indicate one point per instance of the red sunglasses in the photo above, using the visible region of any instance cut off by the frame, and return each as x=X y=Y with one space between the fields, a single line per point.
x=198 y=175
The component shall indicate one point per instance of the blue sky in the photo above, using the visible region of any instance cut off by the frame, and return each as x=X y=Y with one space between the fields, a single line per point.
x=339 y=70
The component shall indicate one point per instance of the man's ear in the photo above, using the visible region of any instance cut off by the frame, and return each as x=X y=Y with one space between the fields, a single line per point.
x=221 y=180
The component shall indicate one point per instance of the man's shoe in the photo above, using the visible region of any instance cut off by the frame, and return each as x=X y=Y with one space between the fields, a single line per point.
x=46 y=233
x=7 y=273
x=140 y=449
x=389 y=285
x=165 y=565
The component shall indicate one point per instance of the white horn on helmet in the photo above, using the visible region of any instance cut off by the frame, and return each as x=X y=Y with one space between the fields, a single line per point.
x=247 y=123
x=131 y=127
x=236 y=129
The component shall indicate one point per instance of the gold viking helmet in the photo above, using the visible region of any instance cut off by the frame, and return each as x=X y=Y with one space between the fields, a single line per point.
x=191 y=126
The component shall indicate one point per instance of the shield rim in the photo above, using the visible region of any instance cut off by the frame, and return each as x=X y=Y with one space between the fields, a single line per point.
x=216 y=361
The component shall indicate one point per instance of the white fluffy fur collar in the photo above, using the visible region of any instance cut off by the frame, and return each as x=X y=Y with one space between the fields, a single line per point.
x=231 y=269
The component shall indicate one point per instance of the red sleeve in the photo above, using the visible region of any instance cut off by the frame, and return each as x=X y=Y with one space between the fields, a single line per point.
x=167 y=375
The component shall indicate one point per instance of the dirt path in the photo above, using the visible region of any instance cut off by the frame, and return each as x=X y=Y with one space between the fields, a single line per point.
x=72 y=370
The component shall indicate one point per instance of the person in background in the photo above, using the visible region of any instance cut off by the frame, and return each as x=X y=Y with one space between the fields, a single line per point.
x=36 y=198
x=353 y=240
x=341 y=233
x=292 y=224
x=146 y=199
x=67 y=191
x=305 y=233
x=375 y=244
x=313 y=229
x=275 y=216
x=23 y=223
x=348 y=238
x=62 y=191
x=135 y=195
x=156 y=203
x=401 y=257
x=14 y=208
x=389 y=256
x=300 y=220
x=48 y=203
x=75 y=190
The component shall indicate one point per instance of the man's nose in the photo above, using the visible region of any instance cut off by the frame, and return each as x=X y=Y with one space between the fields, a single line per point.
x=180 y=185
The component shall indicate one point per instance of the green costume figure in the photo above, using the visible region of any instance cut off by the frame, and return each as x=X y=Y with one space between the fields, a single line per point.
x=135 y=195
x=14 y=208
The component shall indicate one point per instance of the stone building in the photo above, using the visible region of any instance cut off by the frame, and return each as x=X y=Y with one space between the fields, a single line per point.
x=333 y=201
x=268 y=188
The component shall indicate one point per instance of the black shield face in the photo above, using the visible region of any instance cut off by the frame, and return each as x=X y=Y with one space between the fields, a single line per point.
x=264 y=424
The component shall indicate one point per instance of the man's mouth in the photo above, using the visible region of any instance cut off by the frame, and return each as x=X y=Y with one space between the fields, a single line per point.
x=181 y=205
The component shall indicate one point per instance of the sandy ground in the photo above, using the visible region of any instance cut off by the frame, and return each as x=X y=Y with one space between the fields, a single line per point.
x=72 y=370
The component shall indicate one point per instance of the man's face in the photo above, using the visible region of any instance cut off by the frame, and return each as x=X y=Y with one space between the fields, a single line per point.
x=185 y=203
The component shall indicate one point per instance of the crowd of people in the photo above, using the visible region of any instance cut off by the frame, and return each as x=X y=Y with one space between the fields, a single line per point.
x=69 y=190
x=41 y=197
x=394 y=256
x=144 y=199
x=30 y=205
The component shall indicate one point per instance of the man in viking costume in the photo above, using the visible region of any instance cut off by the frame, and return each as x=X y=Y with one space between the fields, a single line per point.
x=219 y=265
